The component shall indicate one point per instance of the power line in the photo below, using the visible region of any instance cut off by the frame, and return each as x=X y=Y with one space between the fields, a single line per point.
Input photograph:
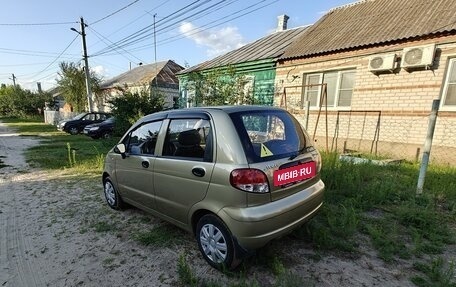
x=171 y=25
x=208 y=25
x=46 y=76
x=37 y=24
x=29 y=52
x=129 y=23
x=104 y=39
x=58 y=57
x=150 y=27
x=18 y=65
x=115 y=12
x=199 y=30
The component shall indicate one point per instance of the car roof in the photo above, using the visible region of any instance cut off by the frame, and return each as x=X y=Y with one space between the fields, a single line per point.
x=194 y=110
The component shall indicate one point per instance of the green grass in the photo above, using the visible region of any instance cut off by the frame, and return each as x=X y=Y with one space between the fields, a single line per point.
x=436 y=274
x=162 y=236
x=380 y=202
x=186 y=275
x=59 y=150
x=103 y=226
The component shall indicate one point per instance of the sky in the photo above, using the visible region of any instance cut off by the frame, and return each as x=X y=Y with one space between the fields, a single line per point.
x=120 y=34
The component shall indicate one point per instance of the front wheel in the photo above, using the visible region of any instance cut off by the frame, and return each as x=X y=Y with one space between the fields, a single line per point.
x=106 y=135
x=216 y=243
x=111 y=195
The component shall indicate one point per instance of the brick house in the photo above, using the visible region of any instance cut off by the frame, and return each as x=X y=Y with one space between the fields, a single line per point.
x=161 y=75
x=368 y=72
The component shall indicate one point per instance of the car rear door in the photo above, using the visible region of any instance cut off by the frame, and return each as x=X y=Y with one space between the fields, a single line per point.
x=183 y=170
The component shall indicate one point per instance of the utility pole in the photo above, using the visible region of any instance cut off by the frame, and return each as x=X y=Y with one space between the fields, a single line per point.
x=86 y=63
x=155 y=56
x=14 y=79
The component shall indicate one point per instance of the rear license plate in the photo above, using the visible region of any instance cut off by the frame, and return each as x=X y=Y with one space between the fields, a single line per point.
x=295 y=173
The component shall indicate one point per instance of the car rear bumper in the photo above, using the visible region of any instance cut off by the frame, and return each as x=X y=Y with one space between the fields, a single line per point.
x=253 y=227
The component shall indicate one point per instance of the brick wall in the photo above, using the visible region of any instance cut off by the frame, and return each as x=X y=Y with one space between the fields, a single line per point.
x=403 y=99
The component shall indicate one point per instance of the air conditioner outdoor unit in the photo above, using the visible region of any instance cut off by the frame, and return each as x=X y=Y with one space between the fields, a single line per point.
x=422 y=56
x=385 y=62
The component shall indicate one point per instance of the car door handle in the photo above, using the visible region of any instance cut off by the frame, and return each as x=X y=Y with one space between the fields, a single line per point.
x=145 y=164
x=198 y=171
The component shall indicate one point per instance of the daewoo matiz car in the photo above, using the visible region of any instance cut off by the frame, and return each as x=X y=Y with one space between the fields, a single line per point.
x=235 y=176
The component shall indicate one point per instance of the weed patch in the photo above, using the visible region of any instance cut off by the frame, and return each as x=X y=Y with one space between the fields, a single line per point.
x=163 y=236
x=380 y=202
x=103 y=226
x=186 y=275
x=436 y=274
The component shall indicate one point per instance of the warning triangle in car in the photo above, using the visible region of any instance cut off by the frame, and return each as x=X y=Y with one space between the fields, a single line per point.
x=265 y=151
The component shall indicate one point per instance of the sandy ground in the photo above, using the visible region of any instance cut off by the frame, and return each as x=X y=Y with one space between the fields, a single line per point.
x=51 y=234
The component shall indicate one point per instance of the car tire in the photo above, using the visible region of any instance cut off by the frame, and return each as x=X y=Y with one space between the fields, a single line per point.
x=111 y=195
x=73 y=130
x=106 y=135
x=216 y=243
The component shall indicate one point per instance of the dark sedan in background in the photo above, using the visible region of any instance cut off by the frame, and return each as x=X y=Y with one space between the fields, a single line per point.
x=100 y=130
x=78 y=123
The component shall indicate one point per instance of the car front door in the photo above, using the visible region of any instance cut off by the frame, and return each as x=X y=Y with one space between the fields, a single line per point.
x=134 y=173
x=183 y=170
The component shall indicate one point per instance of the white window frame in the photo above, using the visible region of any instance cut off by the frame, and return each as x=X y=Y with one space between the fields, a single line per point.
x=335 y=106
x=445 y=87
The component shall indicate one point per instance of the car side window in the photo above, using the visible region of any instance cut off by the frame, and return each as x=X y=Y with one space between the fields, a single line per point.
x=101 y=117
x=143 y=139
x=89 y=117
x=190 y=139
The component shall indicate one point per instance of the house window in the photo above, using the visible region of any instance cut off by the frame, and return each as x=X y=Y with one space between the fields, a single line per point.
x=449 y=94
x=339 y=88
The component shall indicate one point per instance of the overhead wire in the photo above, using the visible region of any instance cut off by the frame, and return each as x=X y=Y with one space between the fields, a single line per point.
x=19 y=65
x=104 y=40
x=131 y=22
x=113 y=13
x=151 y=26
x=29 y=52
x=207 y=25
x=38 y=24
x=217 y=22
x=171 y=25
x=58 y=57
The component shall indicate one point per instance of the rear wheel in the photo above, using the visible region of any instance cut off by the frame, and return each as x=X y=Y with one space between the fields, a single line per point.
x=216 y=243
x=73 y=130
x=111 y=195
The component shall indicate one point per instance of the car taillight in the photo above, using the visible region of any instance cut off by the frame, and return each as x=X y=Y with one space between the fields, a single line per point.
x=251 y=180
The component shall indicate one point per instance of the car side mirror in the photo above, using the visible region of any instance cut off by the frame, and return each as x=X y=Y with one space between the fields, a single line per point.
x=120 y=148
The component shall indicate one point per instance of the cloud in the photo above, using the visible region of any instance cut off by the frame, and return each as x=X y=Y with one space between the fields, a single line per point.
x=100 y=70
x=218 y=41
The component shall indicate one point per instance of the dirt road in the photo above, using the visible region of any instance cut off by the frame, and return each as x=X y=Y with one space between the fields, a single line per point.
x=55 y=230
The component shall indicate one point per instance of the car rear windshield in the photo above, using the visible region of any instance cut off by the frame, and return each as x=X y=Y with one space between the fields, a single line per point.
x=269 y=134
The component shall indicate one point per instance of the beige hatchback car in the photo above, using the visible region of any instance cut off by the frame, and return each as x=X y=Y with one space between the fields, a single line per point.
x=235 y=176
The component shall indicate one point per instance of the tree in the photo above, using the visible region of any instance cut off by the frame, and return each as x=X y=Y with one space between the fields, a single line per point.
x=18 y=102
x=219 y=87
x=72 y=85
x=128 y=107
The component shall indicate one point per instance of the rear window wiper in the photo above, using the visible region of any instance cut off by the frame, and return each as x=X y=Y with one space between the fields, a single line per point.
x=298 y=153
